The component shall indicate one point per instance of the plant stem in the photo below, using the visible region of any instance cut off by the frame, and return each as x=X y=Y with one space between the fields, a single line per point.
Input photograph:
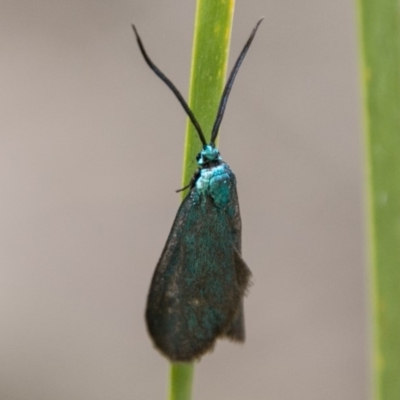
x=212 y=32
x=380 y=54
x=180 y=378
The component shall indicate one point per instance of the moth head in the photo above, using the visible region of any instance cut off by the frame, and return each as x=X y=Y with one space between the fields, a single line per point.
x=209 y=154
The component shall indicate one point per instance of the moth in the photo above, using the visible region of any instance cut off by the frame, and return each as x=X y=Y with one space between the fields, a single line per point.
x=196 y=294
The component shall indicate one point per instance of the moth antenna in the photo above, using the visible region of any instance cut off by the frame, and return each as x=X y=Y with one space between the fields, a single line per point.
x=176 y=92
x=229 y=84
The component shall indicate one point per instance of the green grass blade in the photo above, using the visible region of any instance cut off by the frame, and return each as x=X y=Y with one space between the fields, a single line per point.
x=380 y=52
x=212 y=32
x=180 y=381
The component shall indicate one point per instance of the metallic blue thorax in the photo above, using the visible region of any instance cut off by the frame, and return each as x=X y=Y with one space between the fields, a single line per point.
x=215 y=177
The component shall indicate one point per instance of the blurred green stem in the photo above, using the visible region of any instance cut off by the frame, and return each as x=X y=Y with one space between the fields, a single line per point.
x=180 y=381
x=212 y=32
x=380 y=56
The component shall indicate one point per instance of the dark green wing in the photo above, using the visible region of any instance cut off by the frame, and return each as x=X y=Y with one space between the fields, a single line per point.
x=199 y=282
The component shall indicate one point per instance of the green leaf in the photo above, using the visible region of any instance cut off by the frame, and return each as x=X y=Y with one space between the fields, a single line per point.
x=380 y=53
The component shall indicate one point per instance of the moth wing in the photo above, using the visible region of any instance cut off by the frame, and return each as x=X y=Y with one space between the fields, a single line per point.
x=197 y=288
x=236 y=331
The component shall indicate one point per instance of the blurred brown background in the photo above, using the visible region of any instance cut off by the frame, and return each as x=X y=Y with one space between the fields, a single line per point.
x=90 y=156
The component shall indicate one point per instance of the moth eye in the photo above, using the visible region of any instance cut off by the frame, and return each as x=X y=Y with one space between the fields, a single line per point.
x=198 y=157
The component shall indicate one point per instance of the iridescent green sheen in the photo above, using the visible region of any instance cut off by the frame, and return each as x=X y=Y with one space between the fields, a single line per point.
x=196 y=294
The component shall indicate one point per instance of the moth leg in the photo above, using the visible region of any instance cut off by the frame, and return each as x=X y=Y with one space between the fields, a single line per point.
x=191 y=183
x=184 y=188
